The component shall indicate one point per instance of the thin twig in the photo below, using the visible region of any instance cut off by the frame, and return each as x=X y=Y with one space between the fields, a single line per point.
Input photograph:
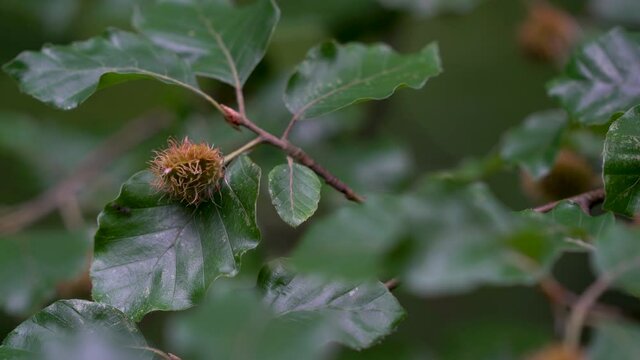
x=585 y=200
x=162 y=354
x=392 y=284
x=127 y=137
x=588 y=299
x=287 y=131
x=243 y=149
x=236 y=119
x=577 y=318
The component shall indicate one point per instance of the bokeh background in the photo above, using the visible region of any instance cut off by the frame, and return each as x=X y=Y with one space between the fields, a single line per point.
x=491 y=82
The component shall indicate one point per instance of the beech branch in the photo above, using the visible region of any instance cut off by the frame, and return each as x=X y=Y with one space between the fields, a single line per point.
x=585 y=200
x=237 y=120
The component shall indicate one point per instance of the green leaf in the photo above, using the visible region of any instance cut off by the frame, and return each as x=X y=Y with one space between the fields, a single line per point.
x=334 y=76
x=75 y=330
x=33 y=263
x=621 y=168
x=65 y=76
x=295 y=192
x=237 y=325
x=152 y=253
x=535 y=144
x=292 y=317
x=219 y=40
x=600 y=79
x=617 y=256
x=359 y=314
x=615 y=341
x=573 y=224
x=418 y=235
x=354 y=241
x=432 y=7
x=617 y=11
x=377 y=165
x=493 y=247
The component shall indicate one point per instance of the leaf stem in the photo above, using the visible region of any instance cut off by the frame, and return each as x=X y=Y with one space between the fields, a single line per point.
x=287 y=131
x=162 y=354
x=243 y=149
x=236 y=119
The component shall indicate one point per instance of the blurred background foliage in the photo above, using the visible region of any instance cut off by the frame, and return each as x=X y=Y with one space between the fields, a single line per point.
x=495 y=76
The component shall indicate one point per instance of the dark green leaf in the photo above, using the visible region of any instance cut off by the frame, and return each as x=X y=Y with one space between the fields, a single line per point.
x=334 y=76
x=353 y=242
x=622 y=164
x=617 y=11
x=298 y=318
x=295 y=192
x=569 y=220
x=615 y=341
x=153 y=253
x=600 y=79
x=474 y=337
x=236 y=325
x=65 y=76
x=432 y=7
x=219 y=40
x=420 y=236
x=493 y=247
x=617 y=256
x=76 y=330
x=33 y=263
x=359 y=314
x=535 y=144
x=387 y=350
x=378 y=165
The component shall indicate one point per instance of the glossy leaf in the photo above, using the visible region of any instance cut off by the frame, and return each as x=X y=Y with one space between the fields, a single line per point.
x=76 y=330
x=359 y=314
x=432 y=7
x=617 y=255
x=65 y=76
x=622 y=164
x=291 y=317
x=600 y=79
x=493 y=247
x=615 y=341
x=354 y=241
x=32 y=263
x=535 y=144
x=617 y=11
x=219 y=40
x=569 y=220
x=153 y=253
x=237 y=325
x=375 y=165
x=334 y=76
x=295 y=192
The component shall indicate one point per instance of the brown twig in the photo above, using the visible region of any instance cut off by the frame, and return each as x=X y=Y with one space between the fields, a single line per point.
x=162 y=354
x=123 y=140
x=585 y=200
x=581 y=309
x=584 y=305
x=236 y=119
x=392 y=284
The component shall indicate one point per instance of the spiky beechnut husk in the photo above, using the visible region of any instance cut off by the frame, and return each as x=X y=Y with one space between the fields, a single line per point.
x=188 y=172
